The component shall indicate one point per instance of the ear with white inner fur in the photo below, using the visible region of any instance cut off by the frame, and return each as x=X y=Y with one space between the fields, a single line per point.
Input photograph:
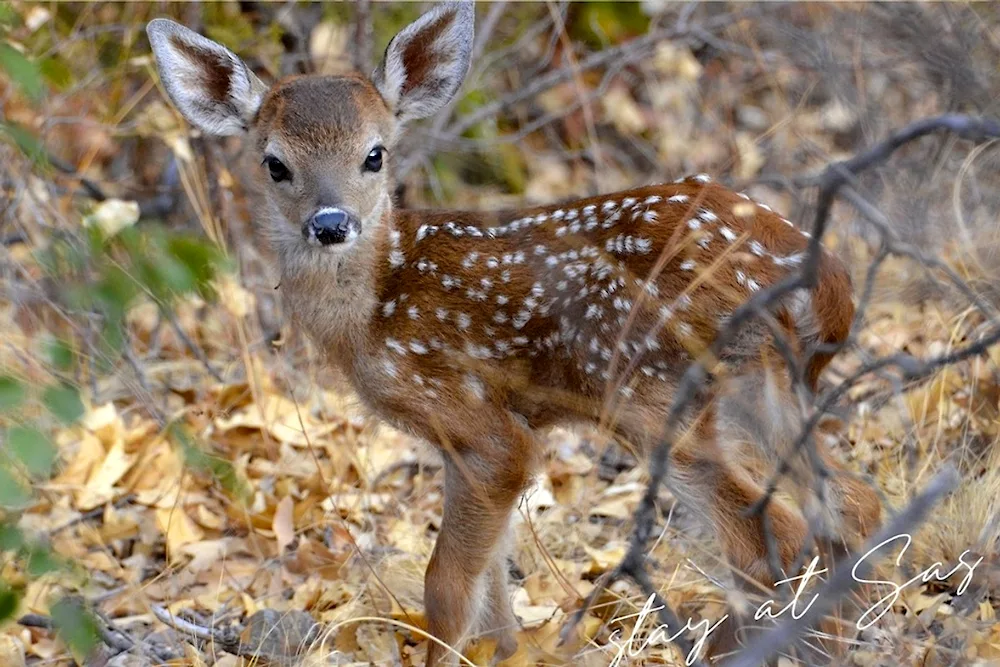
x=425 y=63
x=207 y=82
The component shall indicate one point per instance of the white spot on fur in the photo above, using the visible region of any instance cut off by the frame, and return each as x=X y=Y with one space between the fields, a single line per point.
x=478 y=351
x=475 y=386
x=790 y=260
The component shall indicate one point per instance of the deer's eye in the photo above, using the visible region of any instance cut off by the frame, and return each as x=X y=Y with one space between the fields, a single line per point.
x=374 y=160
x=279 y=172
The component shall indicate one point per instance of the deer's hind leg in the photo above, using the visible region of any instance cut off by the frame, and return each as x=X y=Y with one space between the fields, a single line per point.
x=758 y=548
x=759 y=409
x=707 y=480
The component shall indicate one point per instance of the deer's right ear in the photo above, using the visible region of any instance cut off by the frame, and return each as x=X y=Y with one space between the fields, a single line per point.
x=207 y=82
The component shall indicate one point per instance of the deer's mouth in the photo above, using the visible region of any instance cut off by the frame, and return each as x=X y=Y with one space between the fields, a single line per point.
x=331 y=227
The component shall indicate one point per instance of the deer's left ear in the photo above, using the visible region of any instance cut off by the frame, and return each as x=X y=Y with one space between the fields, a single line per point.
x=425 y=63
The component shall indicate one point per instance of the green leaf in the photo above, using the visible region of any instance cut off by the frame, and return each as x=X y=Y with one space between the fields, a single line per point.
x=22 y=71
x=9 y=601
x=41 y=560
x=63 y=401
x=8 y=16
x=32 y=449
x=11 y=393
x=12 y=492
x=26 y=142
x=61 y=354
x=115 y=292
x=11 y=538
x=76 y=626
x=172 y=277
x=56 y=72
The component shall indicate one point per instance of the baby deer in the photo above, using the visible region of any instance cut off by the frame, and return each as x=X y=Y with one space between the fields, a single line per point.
x=476 y=330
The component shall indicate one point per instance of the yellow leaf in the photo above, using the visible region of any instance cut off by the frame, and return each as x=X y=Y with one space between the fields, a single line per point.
x=751 y=158
x=624 y=113
x=207 y=519
x=531 y=614
x=11 y=651
x=104 y=422
x=238 y=301
x=88 y=454
x=281 y=417
x=605 y=558
x=178 y=528
x=205 y=553
x=100 y=485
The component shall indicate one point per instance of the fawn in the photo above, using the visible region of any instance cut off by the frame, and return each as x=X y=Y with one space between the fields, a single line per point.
x=477 y=330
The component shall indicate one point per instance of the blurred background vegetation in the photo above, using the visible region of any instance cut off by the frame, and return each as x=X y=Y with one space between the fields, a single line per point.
x=130 y=279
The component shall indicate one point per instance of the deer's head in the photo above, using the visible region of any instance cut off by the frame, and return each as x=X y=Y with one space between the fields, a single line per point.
x=318 y=148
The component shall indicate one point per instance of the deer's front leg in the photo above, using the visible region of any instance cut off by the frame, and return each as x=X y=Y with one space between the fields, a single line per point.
x=465 y=584
x=497 y=620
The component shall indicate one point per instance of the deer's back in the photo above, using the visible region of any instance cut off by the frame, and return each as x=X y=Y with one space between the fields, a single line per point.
x=570 y=295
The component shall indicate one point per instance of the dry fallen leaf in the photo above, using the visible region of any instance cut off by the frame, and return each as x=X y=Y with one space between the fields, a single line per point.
x=178 y=528
x=284 y=524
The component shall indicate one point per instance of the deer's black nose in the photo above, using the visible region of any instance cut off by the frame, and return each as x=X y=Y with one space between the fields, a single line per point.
x=329 y=226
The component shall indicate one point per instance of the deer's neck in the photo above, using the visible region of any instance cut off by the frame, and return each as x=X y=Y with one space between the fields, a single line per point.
x=333 y=296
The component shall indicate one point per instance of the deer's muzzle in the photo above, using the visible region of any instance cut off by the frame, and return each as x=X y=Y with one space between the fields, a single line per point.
x=330 y=226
